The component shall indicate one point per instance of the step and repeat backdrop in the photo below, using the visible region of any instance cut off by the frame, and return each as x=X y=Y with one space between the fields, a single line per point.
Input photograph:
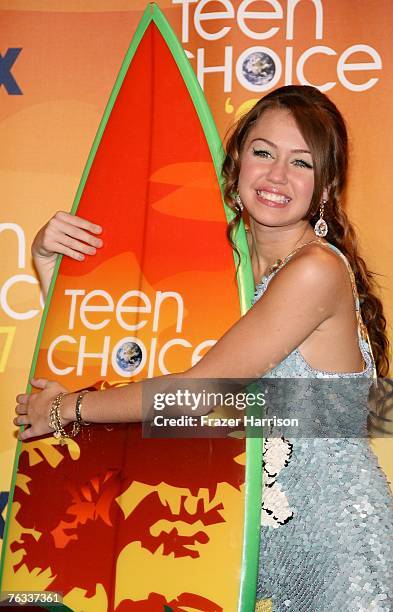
x=58 y=62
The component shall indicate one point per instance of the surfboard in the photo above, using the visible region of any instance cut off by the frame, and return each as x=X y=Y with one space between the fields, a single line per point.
x=114 y=520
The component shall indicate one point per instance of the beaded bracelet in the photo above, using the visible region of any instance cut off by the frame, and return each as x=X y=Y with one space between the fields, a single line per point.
x=56 y=424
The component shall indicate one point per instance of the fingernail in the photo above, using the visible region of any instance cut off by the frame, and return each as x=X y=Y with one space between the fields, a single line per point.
x=98 y=229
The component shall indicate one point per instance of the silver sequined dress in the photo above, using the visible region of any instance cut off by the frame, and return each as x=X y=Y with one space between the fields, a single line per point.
x=327 y=516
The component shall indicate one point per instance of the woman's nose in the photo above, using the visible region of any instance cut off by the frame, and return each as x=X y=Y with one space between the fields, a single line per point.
x=277 y=171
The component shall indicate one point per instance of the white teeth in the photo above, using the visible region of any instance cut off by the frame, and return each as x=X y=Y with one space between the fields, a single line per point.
x=273 y=197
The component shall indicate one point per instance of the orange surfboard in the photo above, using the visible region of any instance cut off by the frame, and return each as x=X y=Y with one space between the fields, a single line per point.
x=112 y=520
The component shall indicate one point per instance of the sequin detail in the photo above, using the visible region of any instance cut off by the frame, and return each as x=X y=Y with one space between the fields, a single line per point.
x=275 y=506
x=335 y=551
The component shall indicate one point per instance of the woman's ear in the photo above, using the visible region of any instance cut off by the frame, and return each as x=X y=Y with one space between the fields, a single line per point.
x=325 y=194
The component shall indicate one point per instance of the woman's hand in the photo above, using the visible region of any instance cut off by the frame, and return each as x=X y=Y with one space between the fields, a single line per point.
x=67 y=234
x=64 y=234
x=33 y=409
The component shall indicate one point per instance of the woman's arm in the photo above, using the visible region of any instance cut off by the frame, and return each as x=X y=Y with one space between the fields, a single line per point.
x=299 y=298
x=66 y=234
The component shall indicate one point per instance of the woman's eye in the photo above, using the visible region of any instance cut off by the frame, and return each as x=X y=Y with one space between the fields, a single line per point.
x=261 y=153
x=302 y=163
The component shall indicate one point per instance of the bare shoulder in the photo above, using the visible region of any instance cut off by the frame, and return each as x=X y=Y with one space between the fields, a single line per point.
x=316 y=275
x=317 y=265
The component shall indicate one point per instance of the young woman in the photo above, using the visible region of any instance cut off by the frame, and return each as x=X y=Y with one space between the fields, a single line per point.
x=327 y=516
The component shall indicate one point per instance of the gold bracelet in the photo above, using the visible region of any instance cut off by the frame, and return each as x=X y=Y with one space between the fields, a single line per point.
x=78 y=408
x=56 y=424
x=53 y=414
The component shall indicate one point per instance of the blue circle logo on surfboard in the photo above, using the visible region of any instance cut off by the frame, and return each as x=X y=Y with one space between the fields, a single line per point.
x=129 y=356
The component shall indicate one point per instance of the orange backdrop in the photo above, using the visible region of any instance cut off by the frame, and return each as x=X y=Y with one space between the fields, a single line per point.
x=54 y=90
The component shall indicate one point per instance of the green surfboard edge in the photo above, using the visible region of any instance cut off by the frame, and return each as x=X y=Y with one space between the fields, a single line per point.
x=245 y=287
x=250 y=554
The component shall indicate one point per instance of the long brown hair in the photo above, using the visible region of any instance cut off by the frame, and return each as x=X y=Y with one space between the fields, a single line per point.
x=323 y=128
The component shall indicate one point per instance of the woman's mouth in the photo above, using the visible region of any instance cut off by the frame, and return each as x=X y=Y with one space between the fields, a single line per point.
x=273 y=199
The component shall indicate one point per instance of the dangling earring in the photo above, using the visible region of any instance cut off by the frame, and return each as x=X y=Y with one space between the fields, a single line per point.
x=238 y=203
x=321 y=227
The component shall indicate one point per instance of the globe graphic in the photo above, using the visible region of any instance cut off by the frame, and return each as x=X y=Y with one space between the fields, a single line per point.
x=129 y=356
x=258 y=68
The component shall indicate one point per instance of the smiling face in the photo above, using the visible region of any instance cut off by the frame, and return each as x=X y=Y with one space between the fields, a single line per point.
x=276 y=180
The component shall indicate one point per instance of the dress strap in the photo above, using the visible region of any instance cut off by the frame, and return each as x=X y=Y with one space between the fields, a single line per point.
x=280 y=263
x=318 y=240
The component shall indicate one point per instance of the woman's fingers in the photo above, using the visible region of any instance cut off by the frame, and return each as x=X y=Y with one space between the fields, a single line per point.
x=22 y=398
x=63 y=229
x=40 y=383
x=22 y=419
x=69 y=235
x=32 y=410
x=77 y=245
x=71 y=241
x=63 y=250
x=79 y=222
